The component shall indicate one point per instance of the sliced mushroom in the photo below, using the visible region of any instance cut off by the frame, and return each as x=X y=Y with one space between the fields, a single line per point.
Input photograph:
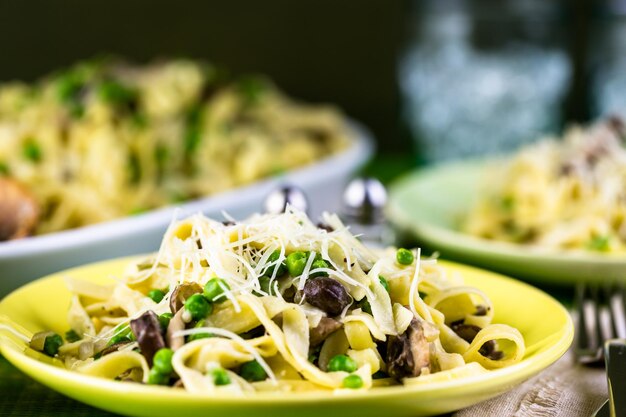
x=466 y=332
x=176 y=324
x=38 y=340
x=327 y=294
x=114 y=347
x=325 y=328
x=481 y=310
x=181 y=293
x=147 y=331
x=86 y=350
x=18 y=210
x=408 y=353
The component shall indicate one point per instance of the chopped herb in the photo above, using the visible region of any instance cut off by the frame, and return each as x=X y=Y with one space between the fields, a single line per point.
x=32 y=151
x=508 y=202
x=134 y=168
x=193 y=130
x=117 y=94
x=72 y=336
x=52 y=344
x=599 y=243
x=251 y=89
x=4 y=169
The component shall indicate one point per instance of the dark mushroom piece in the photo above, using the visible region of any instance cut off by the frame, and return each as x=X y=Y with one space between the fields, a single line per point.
x=408 y=353
x=147 y=331
x=181 y=293
x=114 y=347
x=468 y=332
x=327 y=294
x=325 y=328
x=481 y=310
x=176 y=325
x=18 y=210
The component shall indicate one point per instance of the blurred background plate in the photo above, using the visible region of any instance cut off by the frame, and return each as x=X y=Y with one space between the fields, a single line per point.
x=322 y=182
x=431 y=203
x=546 y=327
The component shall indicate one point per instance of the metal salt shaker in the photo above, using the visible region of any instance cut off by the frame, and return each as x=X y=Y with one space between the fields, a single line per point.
x=276 y=202
x=364 y=200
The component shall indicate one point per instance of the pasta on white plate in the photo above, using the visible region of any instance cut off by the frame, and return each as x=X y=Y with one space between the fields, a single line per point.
x=105 y=139
x=278 y=303
x=567 y=194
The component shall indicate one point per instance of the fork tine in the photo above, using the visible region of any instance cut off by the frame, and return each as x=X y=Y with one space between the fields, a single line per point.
x=589 y=332
x=617 y=311
x=608 y=324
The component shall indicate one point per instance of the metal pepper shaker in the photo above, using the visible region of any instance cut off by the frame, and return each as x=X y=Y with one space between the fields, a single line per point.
x=276 y=202
x=364 y=201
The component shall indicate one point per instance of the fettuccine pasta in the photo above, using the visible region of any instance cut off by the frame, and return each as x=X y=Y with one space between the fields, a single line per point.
x=277 y=303
x=568 y=194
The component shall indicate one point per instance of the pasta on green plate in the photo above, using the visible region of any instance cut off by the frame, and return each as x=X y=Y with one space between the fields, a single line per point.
x=278 y=303
x=559 y=193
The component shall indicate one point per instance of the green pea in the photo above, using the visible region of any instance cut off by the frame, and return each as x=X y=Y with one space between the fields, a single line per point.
x=342 y=363
x=72 y=336
x=384 y=282
x=220 y=377
x=52 y=344
x=32 y=151
x=252 y=371
x=162 y=361
x=282 y=267
x=404 y=256
x=352 y=382
x=198 y=306
x=319 y=263
x=214 y=290
x=296 y=262
x=164 y=319
x=156 y=295
x=157 y=378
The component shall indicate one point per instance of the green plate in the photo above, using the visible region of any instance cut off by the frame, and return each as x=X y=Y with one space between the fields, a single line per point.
x=430 y=204
x=546 y=327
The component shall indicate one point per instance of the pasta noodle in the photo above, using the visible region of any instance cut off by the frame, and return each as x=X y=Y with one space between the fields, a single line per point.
x=276 y=303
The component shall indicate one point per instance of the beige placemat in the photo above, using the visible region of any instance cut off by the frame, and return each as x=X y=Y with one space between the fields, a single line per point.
x=565 y=389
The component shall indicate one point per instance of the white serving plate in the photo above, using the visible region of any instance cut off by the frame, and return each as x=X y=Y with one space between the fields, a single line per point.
x=323 y=182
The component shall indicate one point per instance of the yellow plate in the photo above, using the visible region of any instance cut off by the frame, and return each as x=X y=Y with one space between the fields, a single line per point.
x=544 y=323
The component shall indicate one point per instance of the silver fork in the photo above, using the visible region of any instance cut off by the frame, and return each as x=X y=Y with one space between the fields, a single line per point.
x=601 y=316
